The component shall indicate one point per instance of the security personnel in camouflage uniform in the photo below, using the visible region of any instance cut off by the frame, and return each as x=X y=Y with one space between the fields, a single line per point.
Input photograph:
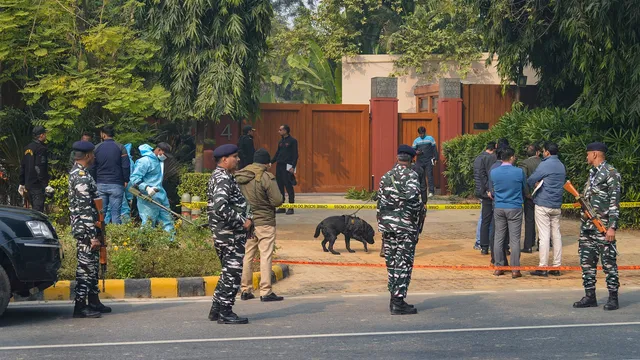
x=399 y=208
x=82 y=191
x=602 y=191
x=229 y=221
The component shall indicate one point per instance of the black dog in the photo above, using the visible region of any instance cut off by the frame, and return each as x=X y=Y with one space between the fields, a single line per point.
x=350 y=226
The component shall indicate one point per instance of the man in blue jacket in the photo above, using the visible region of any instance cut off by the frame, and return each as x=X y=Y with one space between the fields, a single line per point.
x=125 y=212
x=508 y=185
x=427 y=150
x=548 y=200
x=147 y=177
x=111 y=171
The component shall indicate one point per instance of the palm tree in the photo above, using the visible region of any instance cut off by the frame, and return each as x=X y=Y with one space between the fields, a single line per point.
x=211 y=51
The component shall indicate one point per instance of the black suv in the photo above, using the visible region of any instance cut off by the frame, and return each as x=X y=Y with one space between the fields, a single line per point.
x=29 y=253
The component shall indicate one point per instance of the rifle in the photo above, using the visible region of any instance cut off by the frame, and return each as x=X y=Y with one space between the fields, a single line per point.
x=148 y=198
x=103 y=242
x=421 y=217
x=588 y=211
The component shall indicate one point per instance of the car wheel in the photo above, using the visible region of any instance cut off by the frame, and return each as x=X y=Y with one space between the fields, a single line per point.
x=5 y=290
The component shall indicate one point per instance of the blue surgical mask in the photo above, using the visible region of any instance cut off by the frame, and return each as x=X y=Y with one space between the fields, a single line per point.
x=162 y=157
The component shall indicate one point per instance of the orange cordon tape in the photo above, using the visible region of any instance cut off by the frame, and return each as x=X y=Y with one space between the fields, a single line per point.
x=452 y=267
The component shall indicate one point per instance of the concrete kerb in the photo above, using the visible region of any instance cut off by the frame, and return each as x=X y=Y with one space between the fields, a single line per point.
x=149 y=288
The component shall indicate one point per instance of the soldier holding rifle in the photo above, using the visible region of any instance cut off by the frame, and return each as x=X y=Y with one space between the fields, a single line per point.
x=600 y=210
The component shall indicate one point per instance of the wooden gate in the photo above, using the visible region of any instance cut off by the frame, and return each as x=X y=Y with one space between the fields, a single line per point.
x=333 y=143
x=408 y=124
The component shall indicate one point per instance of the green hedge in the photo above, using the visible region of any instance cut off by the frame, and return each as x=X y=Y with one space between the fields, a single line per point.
x=195 y=184
x=571 y=129
x=142 y=252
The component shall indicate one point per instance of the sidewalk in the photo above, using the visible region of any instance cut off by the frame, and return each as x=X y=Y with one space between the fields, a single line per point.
x=448 y=239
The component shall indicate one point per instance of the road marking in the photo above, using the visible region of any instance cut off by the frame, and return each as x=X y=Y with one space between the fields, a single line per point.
x=316 y=336
x=532 y=290
x=307 y=297
x=361 y=295
x=475 y=292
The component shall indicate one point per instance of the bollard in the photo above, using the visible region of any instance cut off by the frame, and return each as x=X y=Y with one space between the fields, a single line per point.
x=186 y=198
x=195 y=212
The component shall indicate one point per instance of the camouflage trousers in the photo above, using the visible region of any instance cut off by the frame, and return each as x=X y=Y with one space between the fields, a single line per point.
x=399 y=251
x=230 y=249
x=592 y=245
x=86 y=271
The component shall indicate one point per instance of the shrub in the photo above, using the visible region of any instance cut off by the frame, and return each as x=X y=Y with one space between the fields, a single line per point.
x=143 y=252
x=60 y=202
x=195 y=184
x=363 y=194
x=571 y=129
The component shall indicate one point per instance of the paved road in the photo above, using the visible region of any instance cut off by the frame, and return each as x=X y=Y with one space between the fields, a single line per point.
x=526 y=324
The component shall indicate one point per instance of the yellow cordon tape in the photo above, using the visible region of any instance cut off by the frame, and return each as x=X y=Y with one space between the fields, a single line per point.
x=201 y=204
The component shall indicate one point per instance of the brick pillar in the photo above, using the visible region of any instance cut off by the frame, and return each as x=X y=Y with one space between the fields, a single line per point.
x=450 y=114
x=384 y=126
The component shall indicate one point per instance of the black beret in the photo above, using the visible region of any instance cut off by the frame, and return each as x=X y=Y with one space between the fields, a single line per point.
x=83 y=146
x=38 y=130
x=597 y=146
x=406 y=149
x=225 y=150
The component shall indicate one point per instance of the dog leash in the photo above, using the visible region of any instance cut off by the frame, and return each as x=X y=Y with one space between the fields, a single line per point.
x=362 y=207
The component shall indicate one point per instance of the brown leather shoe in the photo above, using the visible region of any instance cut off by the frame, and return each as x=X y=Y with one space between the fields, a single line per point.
x=516 y=274
x=498 y=273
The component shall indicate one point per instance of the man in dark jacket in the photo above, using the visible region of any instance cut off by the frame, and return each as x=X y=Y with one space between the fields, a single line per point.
x=529 y=165
x=246 y=147
x=260 y=189
x=112 y=171
x=481 y=167
x=287 y=158
x=34 y=170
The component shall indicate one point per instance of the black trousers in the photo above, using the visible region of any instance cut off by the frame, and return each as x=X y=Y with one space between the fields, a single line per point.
x=283 y=178
x=36 y=199
x=423 y=183
x=486 y=240
x=529 y=223
x=427 y=169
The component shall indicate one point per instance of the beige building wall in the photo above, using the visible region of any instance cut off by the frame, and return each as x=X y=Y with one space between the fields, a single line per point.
x=357 y=73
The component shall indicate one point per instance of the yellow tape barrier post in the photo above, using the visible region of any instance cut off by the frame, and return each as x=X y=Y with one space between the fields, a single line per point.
x=201 y=204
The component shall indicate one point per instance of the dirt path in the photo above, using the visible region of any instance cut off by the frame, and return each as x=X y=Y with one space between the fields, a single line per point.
x=448 y=240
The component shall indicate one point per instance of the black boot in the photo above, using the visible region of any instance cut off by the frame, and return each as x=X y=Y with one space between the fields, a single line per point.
x=612 y=303
x=96 y=305
x=227 y=316
x=81 y=310
x=214 y=313
x=399 y=307
x=403 y=304
x=589 y=300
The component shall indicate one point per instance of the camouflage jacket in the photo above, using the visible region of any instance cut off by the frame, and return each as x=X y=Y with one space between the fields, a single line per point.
x=602 y=191
x=82 y=191
x=227 y=208
x=399 y=203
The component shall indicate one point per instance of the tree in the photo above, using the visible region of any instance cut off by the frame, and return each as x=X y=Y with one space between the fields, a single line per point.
x=319 y=78
x=586 y=53
x=445 y=30
x=79 y=65
x=211 y=53
x=357 y=26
